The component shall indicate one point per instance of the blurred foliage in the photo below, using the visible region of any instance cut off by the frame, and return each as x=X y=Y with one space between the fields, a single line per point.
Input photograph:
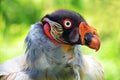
x=16 y=16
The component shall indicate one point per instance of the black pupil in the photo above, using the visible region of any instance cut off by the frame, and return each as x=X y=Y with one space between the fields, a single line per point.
x=67 y=23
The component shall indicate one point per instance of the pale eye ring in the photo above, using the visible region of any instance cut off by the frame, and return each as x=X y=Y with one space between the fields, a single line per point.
x=67 y=24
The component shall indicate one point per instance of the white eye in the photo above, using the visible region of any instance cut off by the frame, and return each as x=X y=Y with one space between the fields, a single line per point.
x=67 y=24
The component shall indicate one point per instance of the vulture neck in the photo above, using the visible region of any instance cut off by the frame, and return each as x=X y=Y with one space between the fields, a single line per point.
x=42 y=54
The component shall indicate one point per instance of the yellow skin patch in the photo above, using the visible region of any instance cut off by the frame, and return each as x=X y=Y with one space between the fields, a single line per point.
x=68 y=50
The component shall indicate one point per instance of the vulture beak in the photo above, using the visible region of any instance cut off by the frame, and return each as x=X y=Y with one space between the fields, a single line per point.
x=89 y=36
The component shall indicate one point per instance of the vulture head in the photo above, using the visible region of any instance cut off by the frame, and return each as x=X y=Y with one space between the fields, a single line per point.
x=68 y=27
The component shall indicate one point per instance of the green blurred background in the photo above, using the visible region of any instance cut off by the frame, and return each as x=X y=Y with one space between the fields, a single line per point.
x=16 y=16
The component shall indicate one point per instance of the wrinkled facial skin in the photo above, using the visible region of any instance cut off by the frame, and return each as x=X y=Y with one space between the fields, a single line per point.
x=70 y=35
x=70 y=28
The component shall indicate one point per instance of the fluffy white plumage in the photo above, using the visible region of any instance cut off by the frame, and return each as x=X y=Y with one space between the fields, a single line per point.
x=45 y=61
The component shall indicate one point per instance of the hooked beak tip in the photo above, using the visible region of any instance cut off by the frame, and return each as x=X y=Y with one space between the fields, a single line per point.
x=95 y=43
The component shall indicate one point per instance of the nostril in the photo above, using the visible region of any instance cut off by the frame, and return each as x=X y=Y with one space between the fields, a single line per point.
x=87 y=38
